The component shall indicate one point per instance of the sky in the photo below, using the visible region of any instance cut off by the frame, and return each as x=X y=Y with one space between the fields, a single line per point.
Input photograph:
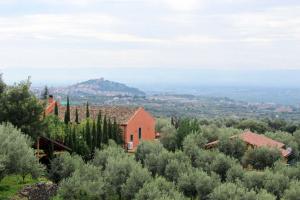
x=60 y=41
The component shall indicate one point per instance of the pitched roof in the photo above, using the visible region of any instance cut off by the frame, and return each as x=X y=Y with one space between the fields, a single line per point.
x=257 y=140
x=50 y=107
x=122 y=114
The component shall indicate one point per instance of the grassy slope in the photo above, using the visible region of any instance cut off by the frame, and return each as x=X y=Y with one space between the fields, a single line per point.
x=11 y=185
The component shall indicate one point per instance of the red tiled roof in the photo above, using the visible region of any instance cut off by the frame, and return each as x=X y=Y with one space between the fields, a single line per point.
x=122 y=114
x=257 y=140
x=50 y=108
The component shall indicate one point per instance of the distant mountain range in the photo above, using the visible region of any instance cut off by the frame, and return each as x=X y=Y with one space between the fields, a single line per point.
x=97 y=87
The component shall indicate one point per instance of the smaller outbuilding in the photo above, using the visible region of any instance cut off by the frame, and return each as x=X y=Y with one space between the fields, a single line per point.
x=254 y=140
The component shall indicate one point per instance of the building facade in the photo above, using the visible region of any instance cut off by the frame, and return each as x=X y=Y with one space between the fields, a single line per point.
x=135 y=122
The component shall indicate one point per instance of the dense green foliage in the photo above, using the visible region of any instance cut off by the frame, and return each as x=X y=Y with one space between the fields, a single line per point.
x=261 y=158
x=21 y=108
x=85 y=136
x=177 y=167
x=16 y=154
x=63 y=166
x=155 y=173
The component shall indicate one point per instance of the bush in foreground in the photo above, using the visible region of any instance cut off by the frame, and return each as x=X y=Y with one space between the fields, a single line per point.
x=16 y=154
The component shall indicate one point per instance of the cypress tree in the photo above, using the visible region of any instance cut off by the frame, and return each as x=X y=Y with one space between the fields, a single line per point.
x=110 y=134
x=74 y=139
x=87 y=110
x=56 y=109
x=67 y=113
x=99 y=130
x=94 y=135
x=76 y=116
x=70 y=136
x=88 y=134
x=105 y=131
x=115 y=131
x=45 y=93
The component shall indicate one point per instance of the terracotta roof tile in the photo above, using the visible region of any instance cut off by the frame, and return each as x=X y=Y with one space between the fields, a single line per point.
x=122 y=114
x=257 y=140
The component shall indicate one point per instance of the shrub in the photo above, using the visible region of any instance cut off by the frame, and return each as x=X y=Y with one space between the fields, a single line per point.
x=111 y=150
x=87 y=182
x=262 y=157
x=254 y=180
x=63 y=166
x=232 y=191
x=145 y=148
x=275 y=183
x=221 y=164
x=233 y=147
x=159 y=189
x=16 y=154
x=136 y=180
x=293 y=192
x=197 y=184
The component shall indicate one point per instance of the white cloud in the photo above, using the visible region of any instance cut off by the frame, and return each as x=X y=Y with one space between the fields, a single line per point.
x=274 y=24
x=66 y=27
x=184 y=5
x=149 y=33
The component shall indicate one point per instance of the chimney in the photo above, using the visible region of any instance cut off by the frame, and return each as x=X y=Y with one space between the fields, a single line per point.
x=50 y=99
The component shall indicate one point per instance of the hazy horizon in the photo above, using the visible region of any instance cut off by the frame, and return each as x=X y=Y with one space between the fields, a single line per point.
x=167 y=78
x=154 y=45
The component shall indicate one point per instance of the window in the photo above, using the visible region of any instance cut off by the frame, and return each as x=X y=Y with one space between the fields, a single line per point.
x=140 y=133
x=131 y=137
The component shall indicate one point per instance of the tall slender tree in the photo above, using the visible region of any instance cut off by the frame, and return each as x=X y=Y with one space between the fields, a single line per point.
x=109 y=130
x=74 y=139
x=87 y=110
x=99 y=130
x=117 y=132
x=56 y=109
x=71 y=144
x=88 y=134
x=105 y=131
x=45 y=93
x=67 y=113
x=76 y=116
x=94 y=135
x=2 y=85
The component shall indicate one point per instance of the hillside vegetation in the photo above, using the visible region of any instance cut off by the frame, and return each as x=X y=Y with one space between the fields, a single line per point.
x=177 y=166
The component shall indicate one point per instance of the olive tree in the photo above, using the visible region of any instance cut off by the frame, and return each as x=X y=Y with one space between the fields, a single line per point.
x=19 y=106
x=16 y=154
x=192 y=143
x=232 y=191
x=275 y=183
x=254 y=180
x=261 y=157
x=87 y=182
x=221 y=164
x=293 y=192
x=233 y=147
x=117 y=171
x=111 y=150
x=145 y=148
x=159 y=189
x=263 y=194
x=136 y=180
x=63 y=166
x=195 y=183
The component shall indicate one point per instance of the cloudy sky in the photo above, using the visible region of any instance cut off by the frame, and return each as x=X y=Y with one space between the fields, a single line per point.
x=71 y=35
